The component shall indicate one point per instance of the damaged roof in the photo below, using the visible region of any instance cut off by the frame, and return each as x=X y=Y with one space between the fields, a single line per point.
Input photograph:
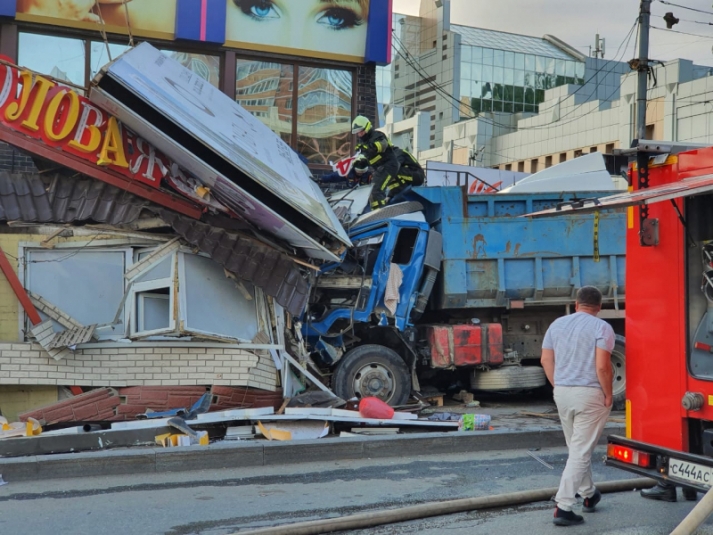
x=57 y=198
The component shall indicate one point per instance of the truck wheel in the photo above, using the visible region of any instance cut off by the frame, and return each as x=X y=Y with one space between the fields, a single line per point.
x=508 y=378
x=387 y=212
x=618 y=364
x=372 y=370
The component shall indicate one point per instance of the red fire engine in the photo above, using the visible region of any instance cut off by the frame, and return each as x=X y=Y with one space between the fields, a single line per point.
x=669 y=315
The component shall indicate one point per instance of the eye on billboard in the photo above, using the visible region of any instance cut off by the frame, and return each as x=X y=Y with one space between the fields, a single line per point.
x=349 y=30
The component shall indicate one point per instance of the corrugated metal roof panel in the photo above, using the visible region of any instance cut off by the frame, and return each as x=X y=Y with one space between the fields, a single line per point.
x=247 y=258
x=57 y=198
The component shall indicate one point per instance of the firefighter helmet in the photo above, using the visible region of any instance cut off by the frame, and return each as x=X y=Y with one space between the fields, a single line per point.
x=361 y=124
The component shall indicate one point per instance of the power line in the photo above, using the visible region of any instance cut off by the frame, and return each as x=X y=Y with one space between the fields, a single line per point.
x=694 y=22
x=682 y=33
x=686 y=7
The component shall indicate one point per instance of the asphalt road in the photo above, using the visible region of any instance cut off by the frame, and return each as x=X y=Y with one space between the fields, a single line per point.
x=227 y=501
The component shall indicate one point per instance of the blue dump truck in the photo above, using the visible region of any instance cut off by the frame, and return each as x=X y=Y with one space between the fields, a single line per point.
x=452 y=288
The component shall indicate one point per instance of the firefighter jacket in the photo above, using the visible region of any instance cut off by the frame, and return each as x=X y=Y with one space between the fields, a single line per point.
x=377 y=148
x=409 y=166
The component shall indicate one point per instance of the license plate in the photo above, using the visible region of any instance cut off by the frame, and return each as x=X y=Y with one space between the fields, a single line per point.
x=695 y=473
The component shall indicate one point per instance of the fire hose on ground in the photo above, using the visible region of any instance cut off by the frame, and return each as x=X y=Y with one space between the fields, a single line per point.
x=425 y=510
x=697 y=515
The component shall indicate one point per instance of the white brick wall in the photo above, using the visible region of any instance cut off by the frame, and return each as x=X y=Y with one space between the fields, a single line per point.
x=29 y=364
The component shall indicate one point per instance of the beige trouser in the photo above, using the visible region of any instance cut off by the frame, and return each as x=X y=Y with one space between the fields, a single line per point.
x=583 y=415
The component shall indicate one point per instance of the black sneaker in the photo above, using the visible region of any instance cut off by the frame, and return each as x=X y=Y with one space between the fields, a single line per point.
x=591 y=503
x=566 y=518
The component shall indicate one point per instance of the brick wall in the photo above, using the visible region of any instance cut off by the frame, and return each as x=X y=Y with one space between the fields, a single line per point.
x=366 y=92
x=144 y=365
x=14 y=160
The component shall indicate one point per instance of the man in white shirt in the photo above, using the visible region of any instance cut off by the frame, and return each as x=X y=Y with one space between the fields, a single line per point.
x=576 y=354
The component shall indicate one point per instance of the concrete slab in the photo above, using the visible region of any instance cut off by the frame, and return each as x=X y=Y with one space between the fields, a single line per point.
x=19 y=469
x=215 y=456
x=306 y=451
x=98 y=440
x=420 y=444
x=104 y=463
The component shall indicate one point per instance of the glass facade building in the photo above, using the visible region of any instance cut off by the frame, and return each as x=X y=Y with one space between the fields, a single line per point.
x=509 y=73
x=454 y=72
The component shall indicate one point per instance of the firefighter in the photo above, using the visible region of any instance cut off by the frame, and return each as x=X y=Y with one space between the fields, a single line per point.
x=410 y=172
x=380 y=154
x=359 y=174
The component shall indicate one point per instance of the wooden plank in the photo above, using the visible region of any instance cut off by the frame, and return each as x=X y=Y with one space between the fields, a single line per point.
x=307 y=374
x=282 y=408
x=379 y=431
x=46 y=242
x=20 y=292
x=437 y=400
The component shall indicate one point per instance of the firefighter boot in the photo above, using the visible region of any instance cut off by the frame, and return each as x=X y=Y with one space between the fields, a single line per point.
x=690 y=495
x=663 y=492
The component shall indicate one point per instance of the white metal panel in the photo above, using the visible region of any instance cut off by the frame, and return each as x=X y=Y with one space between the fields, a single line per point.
x=687 y=187
x=586 y=173
x=210 y=302
x=221 y=125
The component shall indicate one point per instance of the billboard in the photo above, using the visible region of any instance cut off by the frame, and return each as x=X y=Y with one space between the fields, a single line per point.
x=348 y=30
x=247 y=166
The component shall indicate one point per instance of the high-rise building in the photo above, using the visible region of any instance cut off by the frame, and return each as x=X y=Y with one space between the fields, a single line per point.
x=455 y=72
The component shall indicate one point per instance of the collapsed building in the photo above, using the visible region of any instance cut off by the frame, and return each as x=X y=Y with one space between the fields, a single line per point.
x=165 y=244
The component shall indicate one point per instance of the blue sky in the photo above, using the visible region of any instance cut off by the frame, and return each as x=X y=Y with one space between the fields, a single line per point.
x=577 y=21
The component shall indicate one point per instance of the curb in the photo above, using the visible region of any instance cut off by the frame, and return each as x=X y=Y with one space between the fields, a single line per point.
x=231 y=456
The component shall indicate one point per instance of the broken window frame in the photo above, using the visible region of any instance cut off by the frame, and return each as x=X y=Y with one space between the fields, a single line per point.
x=104 y=332
x=143 y=289
x=124 y=324
x=256 y=295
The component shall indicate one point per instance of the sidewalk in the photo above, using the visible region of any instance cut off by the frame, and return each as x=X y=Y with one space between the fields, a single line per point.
x=511 y=430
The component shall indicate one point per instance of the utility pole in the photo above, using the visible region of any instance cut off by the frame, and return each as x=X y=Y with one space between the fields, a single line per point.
x=643 y=68
x=647 y=227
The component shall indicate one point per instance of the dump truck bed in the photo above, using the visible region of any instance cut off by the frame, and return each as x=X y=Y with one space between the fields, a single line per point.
x=493 y=257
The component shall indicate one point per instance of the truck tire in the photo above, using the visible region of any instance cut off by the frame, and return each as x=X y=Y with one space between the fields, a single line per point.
x=508 y=378
x=618 y=364
x=372 y=370
x=387 y=212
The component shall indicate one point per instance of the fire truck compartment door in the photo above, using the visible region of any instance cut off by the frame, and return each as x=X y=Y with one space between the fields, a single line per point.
x=684 y=188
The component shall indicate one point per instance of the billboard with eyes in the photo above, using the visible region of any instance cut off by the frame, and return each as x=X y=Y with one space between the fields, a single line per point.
x=357 y=31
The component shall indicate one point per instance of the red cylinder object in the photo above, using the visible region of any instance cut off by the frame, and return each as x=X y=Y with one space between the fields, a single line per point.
x=375 y=408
